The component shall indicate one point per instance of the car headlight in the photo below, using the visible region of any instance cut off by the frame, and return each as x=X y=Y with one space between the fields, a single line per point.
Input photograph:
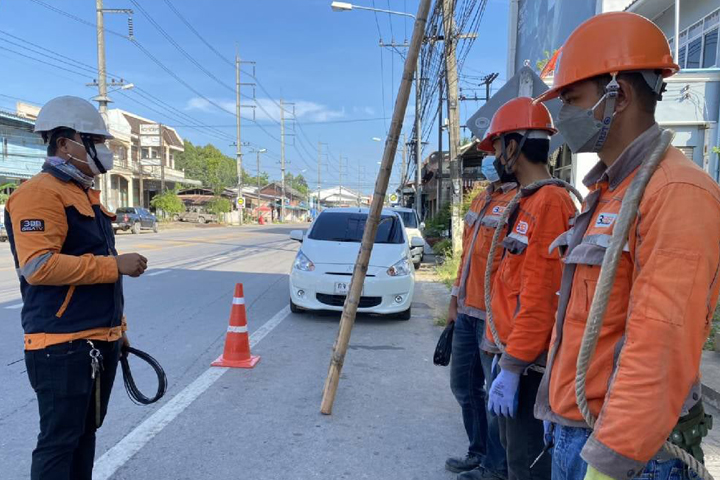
x=400 y=269
x=303 y=263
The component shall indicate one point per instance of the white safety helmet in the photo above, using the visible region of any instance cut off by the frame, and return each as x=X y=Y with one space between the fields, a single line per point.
x=71 y=112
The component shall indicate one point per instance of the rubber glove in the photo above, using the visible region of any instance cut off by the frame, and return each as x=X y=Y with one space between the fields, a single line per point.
x=593 y=474
x=504 y=394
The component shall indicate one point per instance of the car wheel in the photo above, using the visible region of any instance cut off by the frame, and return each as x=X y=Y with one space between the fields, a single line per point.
x=116 y=230
x=201 y=219
x=404 y=315
x=155 y=227
x=176 y=218
x=417 y=265
x=136 y=228
x=295 y=309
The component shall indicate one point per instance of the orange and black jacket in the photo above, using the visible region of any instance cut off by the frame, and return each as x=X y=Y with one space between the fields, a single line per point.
x=64 y=250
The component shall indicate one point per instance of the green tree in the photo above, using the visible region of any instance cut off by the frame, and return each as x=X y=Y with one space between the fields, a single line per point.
x=540 y=64
x=219 y=205
x=5 y=190
x=168 y=202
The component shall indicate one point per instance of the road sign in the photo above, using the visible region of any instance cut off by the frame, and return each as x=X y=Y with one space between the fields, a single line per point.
x=149 y=141
x=241 y=202
x=393 y=197
x=150 y=129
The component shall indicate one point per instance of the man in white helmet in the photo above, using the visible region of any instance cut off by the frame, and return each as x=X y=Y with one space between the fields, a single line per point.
x=63 y=245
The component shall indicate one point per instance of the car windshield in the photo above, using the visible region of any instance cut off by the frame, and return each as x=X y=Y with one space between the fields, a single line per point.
x=409 y=219
x=125 y=210
x=349 y=227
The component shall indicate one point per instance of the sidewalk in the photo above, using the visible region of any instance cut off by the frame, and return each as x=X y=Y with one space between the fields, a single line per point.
x=710 y=370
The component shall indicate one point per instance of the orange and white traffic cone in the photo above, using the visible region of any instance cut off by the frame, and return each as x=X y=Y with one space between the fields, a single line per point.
x=237 y=342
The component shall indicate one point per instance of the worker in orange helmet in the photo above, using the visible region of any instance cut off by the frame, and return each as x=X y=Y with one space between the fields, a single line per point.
x=470 y=367
x=643 y=380
x=523 y=301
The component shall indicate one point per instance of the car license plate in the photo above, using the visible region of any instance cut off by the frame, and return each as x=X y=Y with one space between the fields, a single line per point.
x=342 y=288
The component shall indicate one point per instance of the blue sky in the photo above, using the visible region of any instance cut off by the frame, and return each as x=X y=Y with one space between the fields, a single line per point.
x=327 y=63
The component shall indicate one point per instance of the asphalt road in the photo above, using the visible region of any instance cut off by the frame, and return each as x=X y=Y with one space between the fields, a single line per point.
x=394 y=414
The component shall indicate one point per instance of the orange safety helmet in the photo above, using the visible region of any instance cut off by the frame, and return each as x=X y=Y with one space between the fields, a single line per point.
x=610 y=43
x=517 y=115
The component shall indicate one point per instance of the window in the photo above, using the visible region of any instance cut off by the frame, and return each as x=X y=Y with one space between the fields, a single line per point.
x=349 y=227
x=409 y=218
x=687 y=151
x=710 y=49
x=694 y=51
x=145 y=153
x=699 y=43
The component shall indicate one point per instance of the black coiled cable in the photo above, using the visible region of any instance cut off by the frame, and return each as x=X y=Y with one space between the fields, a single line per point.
x=133 y=392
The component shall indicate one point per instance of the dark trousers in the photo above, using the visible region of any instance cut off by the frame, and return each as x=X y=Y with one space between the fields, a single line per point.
x=522 y=435
x=467 y=380
x=495 y=460
x=61 y=378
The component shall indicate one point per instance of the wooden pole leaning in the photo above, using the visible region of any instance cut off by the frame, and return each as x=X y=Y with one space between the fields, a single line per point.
x=361 y=264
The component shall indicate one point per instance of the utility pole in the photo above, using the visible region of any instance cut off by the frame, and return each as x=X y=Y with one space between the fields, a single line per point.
x=238 y=150
x=282 y=159
x=360 y=171
x=418 y=141
x=162 y=161
x=340 y=175
x=102 y=97
x=403 y=166
x=320 y=144
x=258 y=174
x=418 y=125
x=438 y=203
x=451 y=76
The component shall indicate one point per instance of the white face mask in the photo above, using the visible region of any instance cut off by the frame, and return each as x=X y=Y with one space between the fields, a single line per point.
x=103 y=160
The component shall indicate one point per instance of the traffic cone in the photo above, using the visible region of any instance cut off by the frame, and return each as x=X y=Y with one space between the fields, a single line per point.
x=237 y=342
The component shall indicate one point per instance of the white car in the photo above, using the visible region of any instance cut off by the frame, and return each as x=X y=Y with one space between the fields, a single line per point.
x=321 y=273
x=413 y=229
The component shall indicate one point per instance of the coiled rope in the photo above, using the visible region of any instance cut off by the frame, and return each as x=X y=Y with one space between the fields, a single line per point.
x=131 y=388
x=502 y=224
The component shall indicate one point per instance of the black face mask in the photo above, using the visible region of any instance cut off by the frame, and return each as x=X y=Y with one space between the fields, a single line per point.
x=505 y=177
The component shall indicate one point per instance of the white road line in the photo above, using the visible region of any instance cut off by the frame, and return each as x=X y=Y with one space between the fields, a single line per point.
x=133 y=442
x=157 y=273
x=14 y=307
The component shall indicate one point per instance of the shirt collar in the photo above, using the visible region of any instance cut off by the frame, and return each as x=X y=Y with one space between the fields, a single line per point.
x=505 y=187
x=628 y=161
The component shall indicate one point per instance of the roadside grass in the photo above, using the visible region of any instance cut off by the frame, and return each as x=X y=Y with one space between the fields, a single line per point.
x=714 y=329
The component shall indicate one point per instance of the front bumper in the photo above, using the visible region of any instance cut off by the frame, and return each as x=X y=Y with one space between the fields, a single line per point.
x=121 y=226
x=315 y=291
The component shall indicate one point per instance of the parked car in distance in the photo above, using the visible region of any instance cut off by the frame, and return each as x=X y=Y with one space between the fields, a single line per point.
x=134 y=219
x=196 y=215
x=414 y=229
x=321 y=274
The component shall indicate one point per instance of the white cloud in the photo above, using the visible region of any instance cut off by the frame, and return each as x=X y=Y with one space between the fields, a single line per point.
x=268 y=109
x=201 y=104
x=369 y=111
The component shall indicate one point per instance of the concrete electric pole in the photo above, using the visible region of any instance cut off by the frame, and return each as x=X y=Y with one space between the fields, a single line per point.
x=238 y=142
x=282 y=159
x=451 y=76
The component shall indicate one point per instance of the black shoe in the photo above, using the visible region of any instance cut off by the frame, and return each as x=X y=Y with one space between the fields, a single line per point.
x=479 y=473
x=458 y=465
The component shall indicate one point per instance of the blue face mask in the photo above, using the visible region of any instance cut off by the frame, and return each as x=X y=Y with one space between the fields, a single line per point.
x=488 y=169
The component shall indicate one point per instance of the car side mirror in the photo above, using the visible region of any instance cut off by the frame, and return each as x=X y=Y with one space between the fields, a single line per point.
x=417 y=242
x=422 y=225
x=297 y=235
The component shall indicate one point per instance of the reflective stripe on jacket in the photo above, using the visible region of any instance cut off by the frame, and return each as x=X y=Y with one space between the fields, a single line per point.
x=480 y=222
x=524 y=297
x=64 y=251
x=646 y=367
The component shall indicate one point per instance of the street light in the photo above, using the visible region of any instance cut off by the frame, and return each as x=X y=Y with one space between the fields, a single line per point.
x=346 y=7
x=377 y=139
